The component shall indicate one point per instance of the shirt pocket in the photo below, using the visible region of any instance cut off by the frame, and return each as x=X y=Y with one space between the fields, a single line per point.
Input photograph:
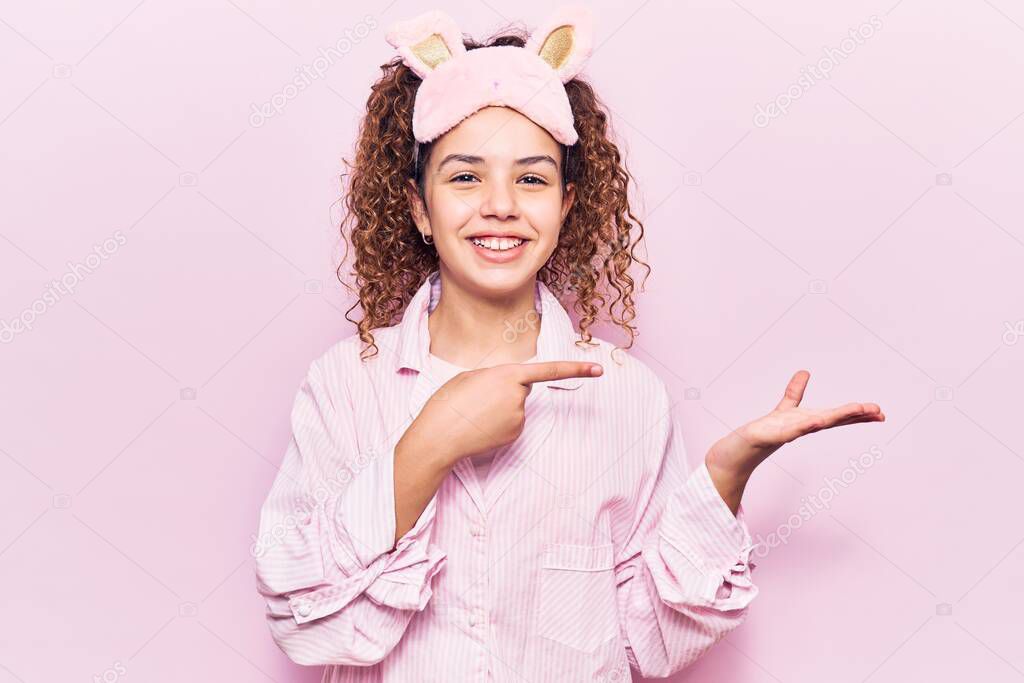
x=576 y=605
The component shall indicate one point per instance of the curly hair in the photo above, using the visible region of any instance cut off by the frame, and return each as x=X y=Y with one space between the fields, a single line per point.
x=391 y=259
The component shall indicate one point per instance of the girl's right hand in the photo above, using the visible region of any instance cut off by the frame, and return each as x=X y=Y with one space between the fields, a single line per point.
x=478 y=410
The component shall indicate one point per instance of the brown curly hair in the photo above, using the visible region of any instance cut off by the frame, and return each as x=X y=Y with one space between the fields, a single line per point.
x=391 y=259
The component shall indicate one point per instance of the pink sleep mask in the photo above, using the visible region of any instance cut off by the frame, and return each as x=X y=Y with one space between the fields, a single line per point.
x=458 y=82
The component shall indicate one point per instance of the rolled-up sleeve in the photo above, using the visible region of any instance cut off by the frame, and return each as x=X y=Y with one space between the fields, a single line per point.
x=684 y=572
x=338 y=589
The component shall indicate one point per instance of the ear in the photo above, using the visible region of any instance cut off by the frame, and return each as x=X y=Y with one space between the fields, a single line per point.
x=564 y=40
x=426 y=41
x=417 y=207
x=568 y=200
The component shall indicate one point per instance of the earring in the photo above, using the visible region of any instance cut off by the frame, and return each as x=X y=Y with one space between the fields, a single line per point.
x=425 y=241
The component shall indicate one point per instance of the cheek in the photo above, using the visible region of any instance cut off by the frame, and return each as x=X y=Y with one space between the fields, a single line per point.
x=545 y=216
x=450 y=211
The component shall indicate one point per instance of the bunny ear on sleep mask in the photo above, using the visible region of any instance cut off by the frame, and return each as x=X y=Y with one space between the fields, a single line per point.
x=458 y=82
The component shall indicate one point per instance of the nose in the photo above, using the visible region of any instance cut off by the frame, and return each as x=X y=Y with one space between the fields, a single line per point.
x=499 y=201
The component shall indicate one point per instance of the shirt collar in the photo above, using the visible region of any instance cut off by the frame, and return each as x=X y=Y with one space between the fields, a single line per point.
x=555 y=341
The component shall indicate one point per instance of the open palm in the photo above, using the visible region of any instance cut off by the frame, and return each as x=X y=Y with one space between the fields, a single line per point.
x=745 y=448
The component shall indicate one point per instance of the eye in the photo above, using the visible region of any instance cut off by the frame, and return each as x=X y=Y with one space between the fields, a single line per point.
x=535 y=179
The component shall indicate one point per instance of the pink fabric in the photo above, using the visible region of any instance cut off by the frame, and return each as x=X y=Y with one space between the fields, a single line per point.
x=403 y=35
x=595 y=548
x=510 y=76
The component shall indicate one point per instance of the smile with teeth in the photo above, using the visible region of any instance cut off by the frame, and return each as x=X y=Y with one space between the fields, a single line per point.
x=497 y=243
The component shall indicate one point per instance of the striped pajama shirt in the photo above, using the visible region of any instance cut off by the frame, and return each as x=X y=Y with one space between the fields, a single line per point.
x=595 y=547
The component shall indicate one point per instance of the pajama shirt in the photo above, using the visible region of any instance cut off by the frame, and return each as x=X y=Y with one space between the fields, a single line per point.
x=597 y=545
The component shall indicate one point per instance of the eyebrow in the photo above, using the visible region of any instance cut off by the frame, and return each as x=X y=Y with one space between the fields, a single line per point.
x=471 y=159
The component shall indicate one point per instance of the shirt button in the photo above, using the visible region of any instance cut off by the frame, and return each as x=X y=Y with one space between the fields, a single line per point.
x=477 y=530
x=305 y=609
x=477 y=618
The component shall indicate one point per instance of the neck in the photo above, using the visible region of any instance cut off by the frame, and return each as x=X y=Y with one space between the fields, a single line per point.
x=476 y=331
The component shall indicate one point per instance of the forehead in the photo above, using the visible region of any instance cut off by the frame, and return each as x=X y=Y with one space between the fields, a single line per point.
x=499 y=132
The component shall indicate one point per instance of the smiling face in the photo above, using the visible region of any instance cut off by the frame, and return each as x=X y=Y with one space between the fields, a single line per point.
x=494 y=200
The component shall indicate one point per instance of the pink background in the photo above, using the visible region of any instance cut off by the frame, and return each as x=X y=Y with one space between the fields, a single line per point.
x=873 y=234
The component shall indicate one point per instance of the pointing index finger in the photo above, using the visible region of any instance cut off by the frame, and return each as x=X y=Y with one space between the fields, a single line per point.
x=557 y=369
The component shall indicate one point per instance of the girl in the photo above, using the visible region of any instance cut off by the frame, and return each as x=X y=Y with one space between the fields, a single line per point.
x=478 y=492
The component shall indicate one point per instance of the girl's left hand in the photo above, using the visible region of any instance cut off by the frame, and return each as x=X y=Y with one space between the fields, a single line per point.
x=739 y=452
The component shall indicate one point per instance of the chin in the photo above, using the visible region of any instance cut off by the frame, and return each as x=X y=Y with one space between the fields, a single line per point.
x=498 y=279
